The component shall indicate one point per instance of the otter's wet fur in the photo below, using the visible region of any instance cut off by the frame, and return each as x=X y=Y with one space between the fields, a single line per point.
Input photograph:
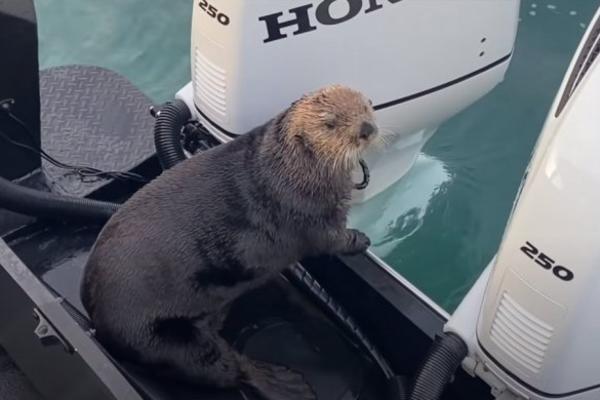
x=168 y=264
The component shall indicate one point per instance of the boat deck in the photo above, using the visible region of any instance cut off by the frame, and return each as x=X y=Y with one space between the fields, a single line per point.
x=43 y=262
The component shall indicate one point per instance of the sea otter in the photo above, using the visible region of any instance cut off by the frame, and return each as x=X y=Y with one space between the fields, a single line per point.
x=169 y=263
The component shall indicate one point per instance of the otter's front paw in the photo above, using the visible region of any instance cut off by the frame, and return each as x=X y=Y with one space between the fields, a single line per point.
x=357 y=243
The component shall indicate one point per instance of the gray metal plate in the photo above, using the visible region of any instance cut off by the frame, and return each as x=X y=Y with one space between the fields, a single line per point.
x=94 y=117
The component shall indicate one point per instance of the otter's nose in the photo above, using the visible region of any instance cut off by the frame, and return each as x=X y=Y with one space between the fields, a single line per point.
x=367 y=129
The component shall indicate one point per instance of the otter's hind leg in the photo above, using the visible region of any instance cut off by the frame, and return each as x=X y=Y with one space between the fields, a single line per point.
x=201 y=356
x=198 y=356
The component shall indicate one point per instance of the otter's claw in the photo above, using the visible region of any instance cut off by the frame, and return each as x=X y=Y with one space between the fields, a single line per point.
x=358 y=242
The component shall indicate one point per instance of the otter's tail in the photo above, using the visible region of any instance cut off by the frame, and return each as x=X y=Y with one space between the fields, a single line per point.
x=273 y=382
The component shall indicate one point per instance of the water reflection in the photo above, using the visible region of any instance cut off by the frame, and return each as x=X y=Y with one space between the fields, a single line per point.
x=398 y=212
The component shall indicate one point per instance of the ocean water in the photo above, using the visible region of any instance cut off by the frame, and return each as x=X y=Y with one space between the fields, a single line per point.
x=441 y=224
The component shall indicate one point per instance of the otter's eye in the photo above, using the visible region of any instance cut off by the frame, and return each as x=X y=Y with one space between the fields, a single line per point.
x=329 y=120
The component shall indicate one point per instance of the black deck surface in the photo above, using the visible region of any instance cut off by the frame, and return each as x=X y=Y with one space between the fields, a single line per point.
x=275 y=323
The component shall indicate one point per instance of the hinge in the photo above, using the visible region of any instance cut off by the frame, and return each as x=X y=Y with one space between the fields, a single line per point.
x=47 y=334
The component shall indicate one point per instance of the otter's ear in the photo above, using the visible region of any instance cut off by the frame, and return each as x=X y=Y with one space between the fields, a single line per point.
x=295 y=103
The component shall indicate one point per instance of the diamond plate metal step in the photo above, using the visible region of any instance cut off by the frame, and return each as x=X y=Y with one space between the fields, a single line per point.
x=94 y=117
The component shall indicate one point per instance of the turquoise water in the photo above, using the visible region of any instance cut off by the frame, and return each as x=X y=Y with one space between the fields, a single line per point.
x=441 y=224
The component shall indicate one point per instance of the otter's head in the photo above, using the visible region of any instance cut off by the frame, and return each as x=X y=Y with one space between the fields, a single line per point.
x=336 y=123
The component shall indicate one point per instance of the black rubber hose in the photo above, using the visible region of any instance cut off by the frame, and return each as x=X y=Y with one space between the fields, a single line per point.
x=169 y=121
x=444 y=357
x=23 y=200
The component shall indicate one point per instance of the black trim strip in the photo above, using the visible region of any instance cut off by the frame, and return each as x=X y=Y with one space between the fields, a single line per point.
x=214 y=124
x=393 y=102
x=408 y=303
x=528 y=386
x=444 y=85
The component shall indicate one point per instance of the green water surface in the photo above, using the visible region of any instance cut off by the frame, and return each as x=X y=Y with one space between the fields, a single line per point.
x=441 y=224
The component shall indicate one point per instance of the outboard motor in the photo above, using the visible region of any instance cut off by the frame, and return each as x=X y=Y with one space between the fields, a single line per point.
x=536 y=336
x=420 y=62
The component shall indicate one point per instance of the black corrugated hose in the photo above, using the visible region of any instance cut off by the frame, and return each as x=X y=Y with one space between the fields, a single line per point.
x=33 y=202
x=169 y=121
x=444 y=357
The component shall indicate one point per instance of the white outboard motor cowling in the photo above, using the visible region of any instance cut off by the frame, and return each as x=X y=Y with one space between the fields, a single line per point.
x=419 y=61
x=538 y=331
